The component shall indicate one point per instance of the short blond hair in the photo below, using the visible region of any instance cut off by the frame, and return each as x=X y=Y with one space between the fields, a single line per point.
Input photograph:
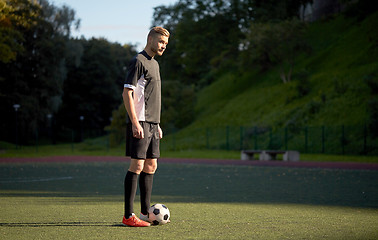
x=158 y=30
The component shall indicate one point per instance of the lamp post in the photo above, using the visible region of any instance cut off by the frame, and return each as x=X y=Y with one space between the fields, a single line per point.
x=81 y=128
x=16 y=107
x=50 y=133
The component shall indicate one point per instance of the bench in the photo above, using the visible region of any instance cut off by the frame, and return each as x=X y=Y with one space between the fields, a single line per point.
x=266 y=155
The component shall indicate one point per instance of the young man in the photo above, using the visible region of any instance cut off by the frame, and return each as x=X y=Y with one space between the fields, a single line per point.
x=142 y=99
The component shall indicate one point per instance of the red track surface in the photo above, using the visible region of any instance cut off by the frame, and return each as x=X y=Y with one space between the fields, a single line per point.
x=331 y=165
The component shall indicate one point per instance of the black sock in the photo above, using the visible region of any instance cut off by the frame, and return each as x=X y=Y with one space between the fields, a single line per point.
x=145 y=185
x=131 y=184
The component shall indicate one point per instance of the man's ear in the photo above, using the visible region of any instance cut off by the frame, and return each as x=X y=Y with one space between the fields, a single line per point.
x=149 y=39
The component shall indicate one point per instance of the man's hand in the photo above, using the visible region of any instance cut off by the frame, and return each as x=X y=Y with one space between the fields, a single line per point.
x=138 y=131
x=160 y=132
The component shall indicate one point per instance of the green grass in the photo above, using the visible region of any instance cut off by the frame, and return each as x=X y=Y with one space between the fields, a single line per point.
x=87 y=148
x=100 y=220
x=90 y=147
x=343 y=56
x=336 y=70
x=85 y=201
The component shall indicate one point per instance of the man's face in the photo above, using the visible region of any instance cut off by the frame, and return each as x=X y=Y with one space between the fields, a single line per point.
x=158 y=44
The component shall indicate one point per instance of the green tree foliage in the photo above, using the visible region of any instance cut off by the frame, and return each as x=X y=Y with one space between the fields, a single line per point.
x=14 y=17
x=204 y=41
x=47 y=72
x=33 y=75
x=206 y=35
x=270 y=44
x=50 y=74
x=94 y=82
x=201 y=32
x=207 y=39
x=268 y=10
x=177 y=108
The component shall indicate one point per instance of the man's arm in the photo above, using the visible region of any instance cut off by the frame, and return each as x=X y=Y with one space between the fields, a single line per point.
x=128 y=101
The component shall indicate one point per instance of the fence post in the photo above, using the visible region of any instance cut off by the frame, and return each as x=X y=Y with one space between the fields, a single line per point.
x=36 y=140
x=207 y=138
x=72 y=140
x=174 y=141
x=306 y=139
x=323 y=138
x=342 y=139
x=365 y=140
x=286 y=136
x=241 y=137
x=227 y=137
x=108 y=142
x=270 y=137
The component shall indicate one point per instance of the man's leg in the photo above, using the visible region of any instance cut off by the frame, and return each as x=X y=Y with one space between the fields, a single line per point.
x=131 y=184
x=146 y=180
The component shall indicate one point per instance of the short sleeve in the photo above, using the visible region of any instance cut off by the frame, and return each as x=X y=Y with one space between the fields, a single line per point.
x=134 y=73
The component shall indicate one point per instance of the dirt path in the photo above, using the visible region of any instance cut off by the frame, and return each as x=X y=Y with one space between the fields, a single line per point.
x=330 y=165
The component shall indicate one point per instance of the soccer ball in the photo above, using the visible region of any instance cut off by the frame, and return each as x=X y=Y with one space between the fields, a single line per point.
x=158 y=214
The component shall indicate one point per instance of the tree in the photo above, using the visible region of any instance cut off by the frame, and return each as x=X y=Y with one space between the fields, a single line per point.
x=270 y=44
x=201 y=31
x=206 y=35
x=94 y=82
x=210 y=37
x=33 y=75
x=276 y=10
x=14 y=16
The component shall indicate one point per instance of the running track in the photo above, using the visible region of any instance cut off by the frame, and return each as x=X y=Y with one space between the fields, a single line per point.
x=329 y=165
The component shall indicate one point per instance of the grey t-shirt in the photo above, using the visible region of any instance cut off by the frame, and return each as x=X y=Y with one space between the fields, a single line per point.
x=144 y=78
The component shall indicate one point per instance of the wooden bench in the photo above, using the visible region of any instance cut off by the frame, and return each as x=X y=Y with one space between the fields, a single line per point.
x=266 y=155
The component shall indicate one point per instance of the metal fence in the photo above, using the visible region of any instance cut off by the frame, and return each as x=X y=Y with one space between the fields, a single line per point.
x=47 y=136
x=348 y=140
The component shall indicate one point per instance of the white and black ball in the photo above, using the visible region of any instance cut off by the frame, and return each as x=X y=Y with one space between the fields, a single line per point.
x=158 y=214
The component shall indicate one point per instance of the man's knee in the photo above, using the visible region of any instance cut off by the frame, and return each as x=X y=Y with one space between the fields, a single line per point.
x=150 y=166
x=136 y=166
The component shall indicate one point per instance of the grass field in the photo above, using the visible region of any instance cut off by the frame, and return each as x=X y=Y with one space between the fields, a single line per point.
x=98 y=147
x=85 y=201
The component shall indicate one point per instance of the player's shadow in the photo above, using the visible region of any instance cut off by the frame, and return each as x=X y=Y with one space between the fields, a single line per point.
x=62 y=224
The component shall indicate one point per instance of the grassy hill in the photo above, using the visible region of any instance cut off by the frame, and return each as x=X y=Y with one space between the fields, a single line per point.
x=343 y=59
x=335 y=85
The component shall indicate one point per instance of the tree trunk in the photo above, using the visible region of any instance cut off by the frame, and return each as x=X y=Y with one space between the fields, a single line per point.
x=283 y=76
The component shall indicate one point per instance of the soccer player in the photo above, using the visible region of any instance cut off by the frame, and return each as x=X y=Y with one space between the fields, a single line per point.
x=142 y=100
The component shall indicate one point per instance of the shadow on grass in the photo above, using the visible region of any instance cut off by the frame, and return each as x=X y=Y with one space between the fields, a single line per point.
x=196 y=183
x=62 y=224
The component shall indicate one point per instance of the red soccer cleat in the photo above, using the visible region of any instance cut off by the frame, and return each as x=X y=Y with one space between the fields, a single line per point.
x=134 y=221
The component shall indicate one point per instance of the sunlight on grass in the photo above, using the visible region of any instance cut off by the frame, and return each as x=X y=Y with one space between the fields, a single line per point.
x=77 y=200
x=78 y=218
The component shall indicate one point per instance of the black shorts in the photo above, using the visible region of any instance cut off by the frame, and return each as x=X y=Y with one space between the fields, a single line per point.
x=145 y=148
